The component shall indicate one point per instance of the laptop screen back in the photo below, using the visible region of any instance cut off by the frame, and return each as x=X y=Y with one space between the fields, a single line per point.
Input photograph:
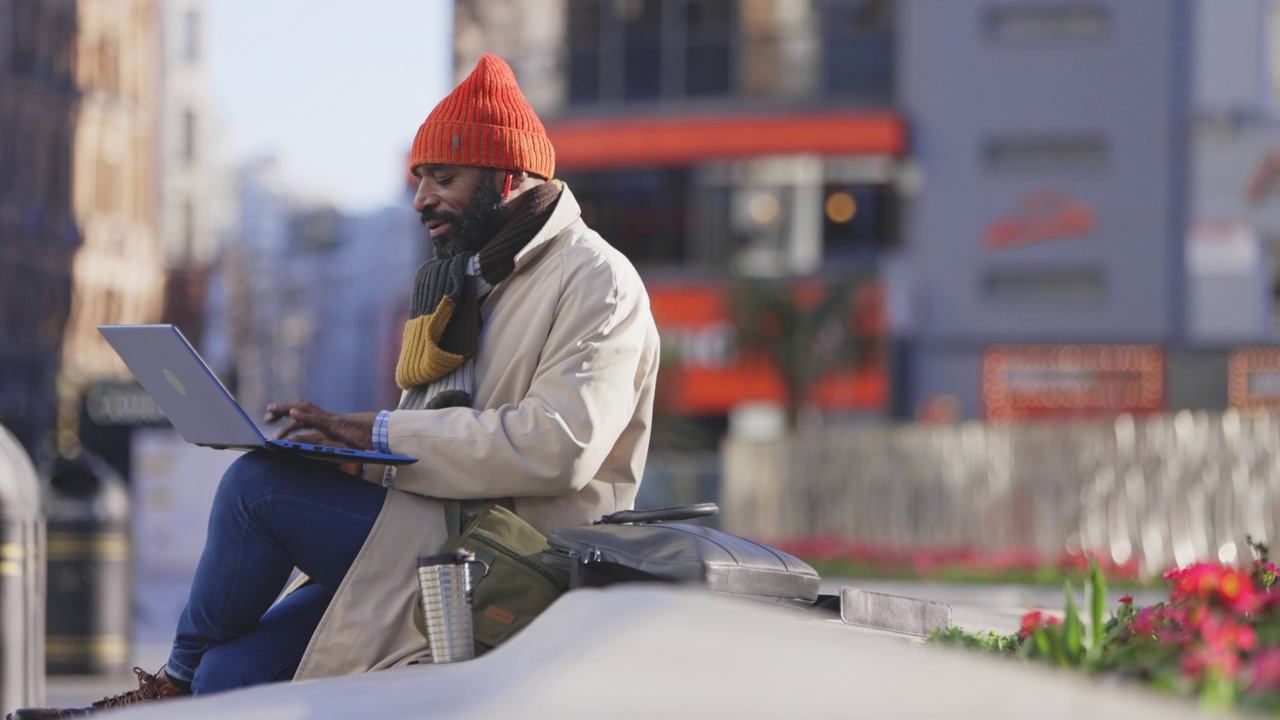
x=180 y=383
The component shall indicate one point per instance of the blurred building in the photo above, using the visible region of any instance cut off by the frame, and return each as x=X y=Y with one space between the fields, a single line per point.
x=118 y=271
x=38 y=232
x=1073 y=208
x=78 y=217
x=1233 y=234
x=1045 y=240
x=188 y=211
x=195 y=196
x=708 y=139
x=308 y=302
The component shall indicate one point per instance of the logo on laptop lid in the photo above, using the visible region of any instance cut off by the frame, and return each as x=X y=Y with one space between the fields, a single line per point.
x=174 y=381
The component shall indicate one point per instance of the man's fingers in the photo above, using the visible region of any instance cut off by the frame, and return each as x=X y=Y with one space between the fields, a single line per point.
x=311 y=437
x=276 y=411
x=288 y=429
x=312 y=418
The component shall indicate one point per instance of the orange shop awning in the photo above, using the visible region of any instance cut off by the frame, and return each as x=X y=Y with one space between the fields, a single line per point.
x=613 y=143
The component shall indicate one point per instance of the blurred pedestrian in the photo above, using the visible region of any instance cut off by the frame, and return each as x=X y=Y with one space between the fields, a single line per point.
x=528 y=372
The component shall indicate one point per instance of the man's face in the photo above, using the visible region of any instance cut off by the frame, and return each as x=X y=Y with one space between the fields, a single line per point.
x=460 y=206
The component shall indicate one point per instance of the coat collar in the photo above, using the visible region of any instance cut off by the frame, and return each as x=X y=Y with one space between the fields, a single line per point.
x=566 y=212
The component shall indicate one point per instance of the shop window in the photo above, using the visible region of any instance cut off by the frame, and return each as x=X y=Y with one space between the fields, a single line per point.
x=858 y=220
x=108 y=65
x=1047 y=153
x=188 y=135
x=639 y=212
x=26 y=35
x=584 y=40
x=107 y=186
x=709 y=26
x=1039 y=24
x=1056 y=286
x=642 y=48
x=641 y=51
x=857 y=48
x=191 y=35
x=188 y=251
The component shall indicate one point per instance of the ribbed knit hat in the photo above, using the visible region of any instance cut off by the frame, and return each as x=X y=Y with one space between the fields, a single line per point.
x=486 y=122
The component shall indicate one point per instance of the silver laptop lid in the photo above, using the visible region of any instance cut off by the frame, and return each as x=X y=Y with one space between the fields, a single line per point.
x=182 y=385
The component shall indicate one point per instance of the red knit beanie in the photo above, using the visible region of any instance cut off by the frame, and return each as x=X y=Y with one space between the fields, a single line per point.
x=485 y=122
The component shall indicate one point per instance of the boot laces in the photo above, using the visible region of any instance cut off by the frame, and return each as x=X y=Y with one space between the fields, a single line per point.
x=149 y=688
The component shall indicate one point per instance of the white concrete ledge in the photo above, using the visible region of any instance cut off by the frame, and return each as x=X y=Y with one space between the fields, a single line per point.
x=640 y=651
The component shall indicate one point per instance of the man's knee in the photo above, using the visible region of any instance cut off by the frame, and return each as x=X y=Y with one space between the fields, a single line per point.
x=250 y=476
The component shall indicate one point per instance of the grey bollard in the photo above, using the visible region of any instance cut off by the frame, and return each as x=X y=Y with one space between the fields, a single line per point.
x=22 y=578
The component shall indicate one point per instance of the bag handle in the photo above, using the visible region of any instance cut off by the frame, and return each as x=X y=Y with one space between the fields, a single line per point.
x=683 y=512
x=452 y=517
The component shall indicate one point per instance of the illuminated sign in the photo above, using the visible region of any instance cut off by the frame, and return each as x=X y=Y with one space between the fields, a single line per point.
x=1045 y=381
x=1253 y=378
x=1039 y=216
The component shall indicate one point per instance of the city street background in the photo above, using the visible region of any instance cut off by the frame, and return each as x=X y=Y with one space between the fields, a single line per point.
x=943 y=286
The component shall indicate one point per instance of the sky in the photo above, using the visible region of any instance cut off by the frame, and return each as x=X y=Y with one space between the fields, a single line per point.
x=333 y=88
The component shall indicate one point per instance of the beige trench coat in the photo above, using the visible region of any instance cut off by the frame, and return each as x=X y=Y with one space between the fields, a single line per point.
x=565 y=379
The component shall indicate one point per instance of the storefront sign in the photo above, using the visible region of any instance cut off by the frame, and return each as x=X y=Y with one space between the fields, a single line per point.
x=1253 y=378
x=111 y=404
x=1048 y=381
x=1039 y=216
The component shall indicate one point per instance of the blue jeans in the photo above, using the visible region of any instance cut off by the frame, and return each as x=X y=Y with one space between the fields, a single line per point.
x=271 y=513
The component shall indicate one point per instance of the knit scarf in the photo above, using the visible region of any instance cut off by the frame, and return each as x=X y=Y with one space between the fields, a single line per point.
x=437 y=360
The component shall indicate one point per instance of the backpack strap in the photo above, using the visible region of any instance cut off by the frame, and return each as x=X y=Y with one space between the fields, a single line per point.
x=452 y=516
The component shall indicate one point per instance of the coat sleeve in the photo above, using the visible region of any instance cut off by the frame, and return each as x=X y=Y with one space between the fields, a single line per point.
x=600 y=351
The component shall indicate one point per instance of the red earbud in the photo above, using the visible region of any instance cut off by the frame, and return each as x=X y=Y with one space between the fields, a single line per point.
x=506 y=188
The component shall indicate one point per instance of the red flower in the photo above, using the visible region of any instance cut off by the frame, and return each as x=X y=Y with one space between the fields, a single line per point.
x=1126 y=599
x=1206 y=583
x=1033 y=620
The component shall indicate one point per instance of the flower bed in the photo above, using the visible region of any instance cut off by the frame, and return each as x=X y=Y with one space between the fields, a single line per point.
x=836 y=558
x=1217 y=637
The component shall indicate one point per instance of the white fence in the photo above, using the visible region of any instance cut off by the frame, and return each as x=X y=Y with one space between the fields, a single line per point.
x=1161 y=490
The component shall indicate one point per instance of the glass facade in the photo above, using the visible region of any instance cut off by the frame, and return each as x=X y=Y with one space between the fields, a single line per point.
x=636 y=52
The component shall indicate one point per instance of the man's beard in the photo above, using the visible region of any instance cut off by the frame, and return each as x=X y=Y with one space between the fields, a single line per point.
x=478 y=223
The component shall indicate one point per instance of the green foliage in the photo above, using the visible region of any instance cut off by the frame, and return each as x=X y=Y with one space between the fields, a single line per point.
x=991 y=642
x=1217 y=639
x=804 y=329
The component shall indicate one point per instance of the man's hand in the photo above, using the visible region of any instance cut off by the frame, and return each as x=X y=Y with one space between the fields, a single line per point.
x=309 y=424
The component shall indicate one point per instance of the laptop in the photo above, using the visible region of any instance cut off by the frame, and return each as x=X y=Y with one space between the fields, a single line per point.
x=199 y=406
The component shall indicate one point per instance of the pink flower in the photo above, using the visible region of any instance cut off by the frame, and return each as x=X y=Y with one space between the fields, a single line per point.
x=1264 y=671
x=1127 y=599
x=1197 y=661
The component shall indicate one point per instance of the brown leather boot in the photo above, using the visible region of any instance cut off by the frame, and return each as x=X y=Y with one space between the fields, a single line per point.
x=150 y=687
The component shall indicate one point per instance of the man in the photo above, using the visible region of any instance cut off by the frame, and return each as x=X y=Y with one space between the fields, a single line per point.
x=528 y=367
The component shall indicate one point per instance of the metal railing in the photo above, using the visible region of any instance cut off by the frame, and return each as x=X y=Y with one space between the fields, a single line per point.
x=1158 y=490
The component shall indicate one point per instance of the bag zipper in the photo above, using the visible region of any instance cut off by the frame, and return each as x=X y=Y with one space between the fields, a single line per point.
x=518 y=558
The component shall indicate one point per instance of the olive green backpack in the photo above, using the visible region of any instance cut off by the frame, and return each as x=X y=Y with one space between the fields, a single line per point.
x=516 y=586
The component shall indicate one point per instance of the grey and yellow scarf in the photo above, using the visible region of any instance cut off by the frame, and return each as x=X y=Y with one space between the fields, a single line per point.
x=436 y=365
